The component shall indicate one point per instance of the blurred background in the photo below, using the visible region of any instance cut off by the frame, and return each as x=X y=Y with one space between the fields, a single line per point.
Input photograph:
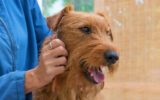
x=50 y=7
x=136 y=28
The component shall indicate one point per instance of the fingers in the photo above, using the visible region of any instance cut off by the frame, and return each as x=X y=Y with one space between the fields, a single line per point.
x=55 y=43
x=57 y=52
x=58 y=62
x=58 y=70
x=56 y=55
x=52 y=61
x=54 y=71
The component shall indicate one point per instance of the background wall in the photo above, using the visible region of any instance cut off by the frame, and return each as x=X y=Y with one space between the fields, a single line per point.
x=40 y=3
x=136 y=28
x=50 y=7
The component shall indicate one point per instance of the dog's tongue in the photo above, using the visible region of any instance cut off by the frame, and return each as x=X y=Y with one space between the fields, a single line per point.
x=98 y=75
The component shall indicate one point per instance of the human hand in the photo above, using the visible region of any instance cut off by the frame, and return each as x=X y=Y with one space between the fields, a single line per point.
x=52 y=62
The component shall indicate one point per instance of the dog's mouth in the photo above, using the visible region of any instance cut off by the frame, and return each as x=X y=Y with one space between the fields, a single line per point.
x=94 y=74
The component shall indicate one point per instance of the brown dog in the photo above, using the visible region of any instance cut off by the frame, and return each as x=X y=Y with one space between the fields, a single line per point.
x=89 y=41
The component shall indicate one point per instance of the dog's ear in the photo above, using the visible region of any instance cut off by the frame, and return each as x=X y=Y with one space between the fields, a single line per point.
x=53 y=21
x=67 y=9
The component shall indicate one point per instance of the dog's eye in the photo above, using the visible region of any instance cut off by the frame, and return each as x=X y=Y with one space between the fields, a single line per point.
x=86 y=30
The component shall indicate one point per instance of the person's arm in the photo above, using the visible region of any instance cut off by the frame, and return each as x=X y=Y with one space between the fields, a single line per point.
x=46 y=70
x=12 y=86
x=15 y=85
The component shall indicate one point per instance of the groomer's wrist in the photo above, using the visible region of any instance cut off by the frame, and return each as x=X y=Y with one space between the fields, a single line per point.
x=32 y=82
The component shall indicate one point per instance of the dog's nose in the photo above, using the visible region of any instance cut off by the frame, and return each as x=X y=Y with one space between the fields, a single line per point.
x=111 y=57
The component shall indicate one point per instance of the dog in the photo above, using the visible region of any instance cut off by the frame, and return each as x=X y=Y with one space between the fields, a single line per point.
x=89 y=41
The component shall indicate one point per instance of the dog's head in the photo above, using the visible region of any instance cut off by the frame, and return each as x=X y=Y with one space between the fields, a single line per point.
x=89 y=41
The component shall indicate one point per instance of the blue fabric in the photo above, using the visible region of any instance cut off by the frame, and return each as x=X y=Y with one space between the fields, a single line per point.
x=22 y=31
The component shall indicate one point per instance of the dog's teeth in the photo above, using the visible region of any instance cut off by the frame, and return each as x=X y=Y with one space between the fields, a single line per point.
x=103 y=69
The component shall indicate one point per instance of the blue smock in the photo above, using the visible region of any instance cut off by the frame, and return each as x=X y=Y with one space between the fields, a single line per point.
x=22 y=31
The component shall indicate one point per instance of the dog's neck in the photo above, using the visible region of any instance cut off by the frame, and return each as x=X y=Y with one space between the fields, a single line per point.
x=75 y=89
x=76 y=86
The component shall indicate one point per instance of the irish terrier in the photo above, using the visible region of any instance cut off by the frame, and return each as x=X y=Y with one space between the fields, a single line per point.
x=89 y=41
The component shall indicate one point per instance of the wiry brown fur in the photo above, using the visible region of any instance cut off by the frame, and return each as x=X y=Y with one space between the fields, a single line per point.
x=73 y=85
